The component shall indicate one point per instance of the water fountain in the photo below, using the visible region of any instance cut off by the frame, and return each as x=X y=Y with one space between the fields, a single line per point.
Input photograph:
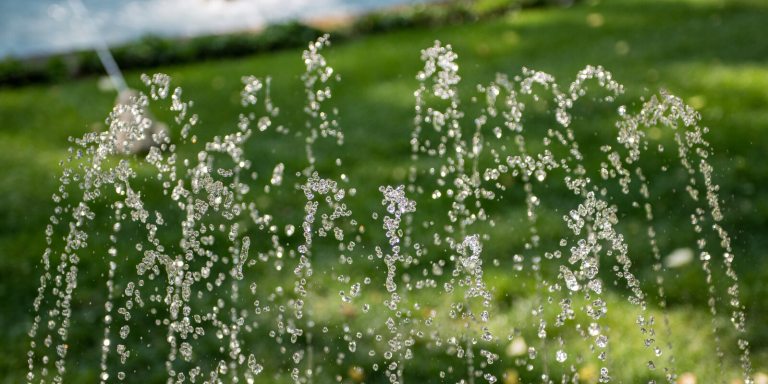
x=211 y=287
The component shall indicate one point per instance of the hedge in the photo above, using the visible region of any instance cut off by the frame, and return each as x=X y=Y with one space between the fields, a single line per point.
x=152 y=51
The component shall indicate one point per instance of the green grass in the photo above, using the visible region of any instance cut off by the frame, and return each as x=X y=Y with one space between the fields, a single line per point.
x=711 y=53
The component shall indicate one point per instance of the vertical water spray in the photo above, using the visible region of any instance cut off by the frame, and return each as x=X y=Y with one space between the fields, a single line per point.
x=199 y=273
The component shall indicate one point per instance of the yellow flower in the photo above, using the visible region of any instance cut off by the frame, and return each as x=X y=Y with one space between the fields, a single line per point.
x=588 y=373
x=356 y=374
x=511 y=377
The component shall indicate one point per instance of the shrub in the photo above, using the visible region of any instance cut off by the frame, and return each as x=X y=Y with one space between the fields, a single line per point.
x=152 y=51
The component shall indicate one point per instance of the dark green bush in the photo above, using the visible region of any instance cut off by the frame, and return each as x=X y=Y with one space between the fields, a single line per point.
x=437 y=14
x=15 y=72
x=152 y=51
x=10 y=69
x=281 y=36
x=87 y=63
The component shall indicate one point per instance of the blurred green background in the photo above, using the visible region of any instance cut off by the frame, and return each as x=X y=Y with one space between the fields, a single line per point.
x=713 y=54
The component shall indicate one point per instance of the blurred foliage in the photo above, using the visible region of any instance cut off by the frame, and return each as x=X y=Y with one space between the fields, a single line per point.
x=152 y=51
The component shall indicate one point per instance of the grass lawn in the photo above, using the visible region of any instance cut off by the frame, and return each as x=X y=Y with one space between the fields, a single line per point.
x=713 y=54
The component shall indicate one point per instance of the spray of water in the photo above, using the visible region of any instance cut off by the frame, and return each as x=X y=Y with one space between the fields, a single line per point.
x=224 y=290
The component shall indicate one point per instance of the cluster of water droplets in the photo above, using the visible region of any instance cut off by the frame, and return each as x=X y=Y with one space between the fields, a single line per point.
x=218 y=285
